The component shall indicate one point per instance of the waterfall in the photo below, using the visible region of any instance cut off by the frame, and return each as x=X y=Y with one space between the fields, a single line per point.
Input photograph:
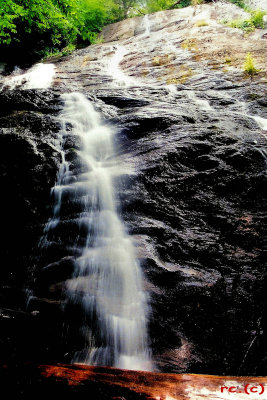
x=147 y=25
x=40 y=76
x=113 y=67
x=203 y=104
x=107 y=282
x=262 y=122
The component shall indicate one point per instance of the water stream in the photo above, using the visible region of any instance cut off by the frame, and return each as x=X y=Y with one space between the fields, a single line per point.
x=107 y=282
x=146 y=25
x=120 y=79
x=40 y=76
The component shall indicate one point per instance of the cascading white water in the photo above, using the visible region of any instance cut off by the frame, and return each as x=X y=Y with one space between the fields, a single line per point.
x=113 y=67
x=108 y=280
x=40 y=76
x=262 y=122
x=203 y=104
x=147 y=25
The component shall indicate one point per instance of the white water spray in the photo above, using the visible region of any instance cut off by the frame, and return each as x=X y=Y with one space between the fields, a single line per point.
x=119 y=77
x=262 y=122
x=108 y=280
x=40 y=76
x=203 y=104
x=147 y=25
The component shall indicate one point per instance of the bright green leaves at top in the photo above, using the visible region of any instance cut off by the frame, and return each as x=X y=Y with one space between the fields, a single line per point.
x=51 y=24
x=9 y=13
x=158 y=5
x=22 y=17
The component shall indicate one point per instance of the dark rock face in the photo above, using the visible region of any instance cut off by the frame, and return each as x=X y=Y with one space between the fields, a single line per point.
x=198 y=205
x=195 y=204
x=28 y=168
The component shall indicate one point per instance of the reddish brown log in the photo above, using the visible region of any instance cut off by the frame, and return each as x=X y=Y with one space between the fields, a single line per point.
x=157 y=386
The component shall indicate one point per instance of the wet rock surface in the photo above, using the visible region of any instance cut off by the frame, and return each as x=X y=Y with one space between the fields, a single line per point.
x=197 y=206
x=193 y=198
x=29 y=164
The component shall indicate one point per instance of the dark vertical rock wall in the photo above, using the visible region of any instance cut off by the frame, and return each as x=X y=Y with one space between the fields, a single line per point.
x=28 y=167
x=195 y=203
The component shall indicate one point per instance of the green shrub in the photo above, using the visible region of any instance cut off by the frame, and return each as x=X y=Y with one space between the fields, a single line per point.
x=201 y=23
x=248 y=25
x=249 y=66
x=257 y=18
x=48 y=53
x=98 y=40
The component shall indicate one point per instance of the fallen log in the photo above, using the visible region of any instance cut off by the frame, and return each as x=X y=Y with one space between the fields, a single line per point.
x=104 y=383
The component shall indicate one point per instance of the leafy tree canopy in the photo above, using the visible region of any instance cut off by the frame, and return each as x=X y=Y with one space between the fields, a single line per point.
x=39 y=25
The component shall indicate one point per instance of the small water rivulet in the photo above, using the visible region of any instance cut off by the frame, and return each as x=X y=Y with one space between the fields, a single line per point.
x=120 y=79
x=107 y=281
x=146 y=25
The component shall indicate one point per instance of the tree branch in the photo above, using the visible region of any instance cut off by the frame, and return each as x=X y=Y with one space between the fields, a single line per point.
x=175 y=4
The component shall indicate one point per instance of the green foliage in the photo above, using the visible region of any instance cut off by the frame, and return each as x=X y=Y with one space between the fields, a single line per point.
x=9 y=13
x=196 y=2
x=227 y=60
x=48 y=53
x=98 y=40
x=201 y=23
x=245 y=24
x=249 y=66
x=124 y=7
x=239 y=3
x=38 y=28
x=159 y=5
x=248 y=25
x=257 y=18
x=37 y=16
x=183 y=3
x=42 y=26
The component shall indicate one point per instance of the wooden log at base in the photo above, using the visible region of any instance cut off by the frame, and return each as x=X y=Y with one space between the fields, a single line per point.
x=103 y=383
